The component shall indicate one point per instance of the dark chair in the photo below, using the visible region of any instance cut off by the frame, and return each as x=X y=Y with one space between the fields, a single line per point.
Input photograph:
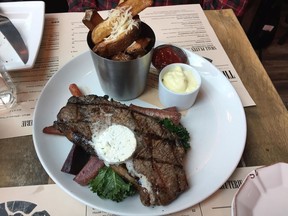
x=284 y=37
x=51 y=6
x=264 y=25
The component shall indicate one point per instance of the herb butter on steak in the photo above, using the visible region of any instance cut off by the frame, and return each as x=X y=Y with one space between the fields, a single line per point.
x=156 y=166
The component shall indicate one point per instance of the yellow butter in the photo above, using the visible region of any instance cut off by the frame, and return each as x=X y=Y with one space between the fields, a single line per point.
x=179 y=80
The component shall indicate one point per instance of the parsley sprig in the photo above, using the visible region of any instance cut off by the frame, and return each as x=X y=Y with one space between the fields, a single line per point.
x=179 y=130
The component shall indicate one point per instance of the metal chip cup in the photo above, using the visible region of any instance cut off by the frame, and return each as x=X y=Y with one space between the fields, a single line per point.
x=124 y=80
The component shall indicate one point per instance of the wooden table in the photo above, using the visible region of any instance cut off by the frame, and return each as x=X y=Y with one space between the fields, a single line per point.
x=267 y=122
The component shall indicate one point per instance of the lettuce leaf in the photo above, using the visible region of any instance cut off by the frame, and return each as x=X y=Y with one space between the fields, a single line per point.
x=109 y=185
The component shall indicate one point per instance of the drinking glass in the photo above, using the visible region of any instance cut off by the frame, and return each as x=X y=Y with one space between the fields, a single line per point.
x=7 y=90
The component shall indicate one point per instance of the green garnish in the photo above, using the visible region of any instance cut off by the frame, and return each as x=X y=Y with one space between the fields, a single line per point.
x=179 y=130
x=109 y=185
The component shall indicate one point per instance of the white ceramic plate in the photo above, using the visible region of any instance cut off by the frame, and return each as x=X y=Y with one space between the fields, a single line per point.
x=28 y=18
x=216 y=122
x=264 y=192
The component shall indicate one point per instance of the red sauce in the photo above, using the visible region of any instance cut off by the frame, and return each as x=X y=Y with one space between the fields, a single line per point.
x=167 y=54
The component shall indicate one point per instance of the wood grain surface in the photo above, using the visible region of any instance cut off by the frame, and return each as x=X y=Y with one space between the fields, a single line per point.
x=267 y=122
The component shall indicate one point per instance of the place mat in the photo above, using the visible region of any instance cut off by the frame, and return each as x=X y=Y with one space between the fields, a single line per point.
x=51 y=200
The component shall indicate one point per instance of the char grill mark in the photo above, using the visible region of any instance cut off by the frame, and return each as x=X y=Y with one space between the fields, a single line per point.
x=158 y=155
x=76 y=135
x=93 y=109
x=159 y=161
x=150 y=127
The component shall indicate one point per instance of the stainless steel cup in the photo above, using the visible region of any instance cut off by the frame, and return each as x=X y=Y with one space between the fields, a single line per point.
x=124 y=80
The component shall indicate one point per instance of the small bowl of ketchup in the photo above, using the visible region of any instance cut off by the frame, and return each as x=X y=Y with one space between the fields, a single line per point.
x=166 y=54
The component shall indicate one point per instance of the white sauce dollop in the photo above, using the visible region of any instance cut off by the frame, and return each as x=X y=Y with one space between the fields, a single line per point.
x=115 y=144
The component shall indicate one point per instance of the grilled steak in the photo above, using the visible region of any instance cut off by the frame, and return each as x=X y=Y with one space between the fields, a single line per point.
x=158 y=156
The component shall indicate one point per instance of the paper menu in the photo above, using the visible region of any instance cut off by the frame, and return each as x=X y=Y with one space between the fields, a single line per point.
x=51 y=200
x=64 y=38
